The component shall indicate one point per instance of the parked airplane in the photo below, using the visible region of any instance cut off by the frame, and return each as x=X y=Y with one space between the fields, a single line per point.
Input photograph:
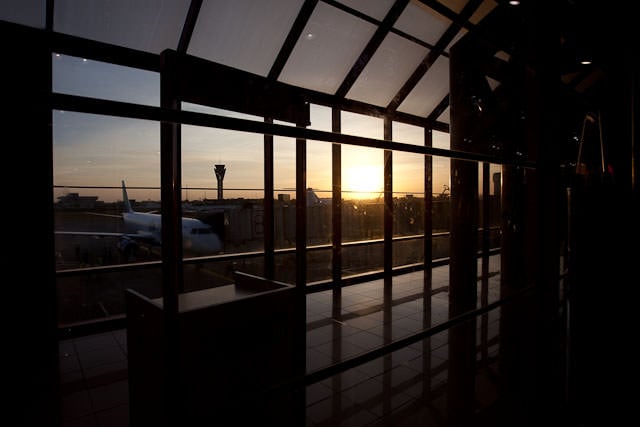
x=142 y=227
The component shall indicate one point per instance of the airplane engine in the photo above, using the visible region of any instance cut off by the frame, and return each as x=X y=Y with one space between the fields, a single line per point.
x=127 y=248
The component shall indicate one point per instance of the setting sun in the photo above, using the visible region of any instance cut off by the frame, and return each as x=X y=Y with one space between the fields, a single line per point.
x=362 y=182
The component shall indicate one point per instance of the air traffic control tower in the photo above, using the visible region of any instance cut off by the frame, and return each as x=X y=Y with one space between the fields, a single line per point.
x=219 y=171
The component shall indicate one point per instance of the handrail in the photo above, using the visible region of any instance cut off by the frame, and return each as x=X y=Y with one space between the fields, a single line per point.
x=233 y=256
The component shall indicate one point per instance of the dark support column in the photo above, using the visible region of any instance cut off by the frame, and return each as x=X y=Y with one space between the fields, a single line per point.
x=336 y=240
x=171 y=189
x=515 y=325
x=301 y=274
x=484 y=290
x=604 y=258
x=428 y=255
x=388 y=206
x=463 y=251
x=269 y=238
x=336 y=202
x=530 y=350
x=31 y=340
x=171 y=209
x=388 y=260
x=301 y=213
x=428 y=219
x=545 y=132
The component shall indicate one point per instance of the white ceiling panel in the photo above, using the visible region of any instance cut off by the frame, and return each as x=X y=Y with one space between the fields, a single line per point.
x=329 y=46
x=243 y=34
x=455 y=40
x=376 y=9
x=147 y=25
x=422 y=22
x=445 y=117
x=483 y=10
x=429 y=91
x=455 y=5
x=26 y=12
x=393 y=63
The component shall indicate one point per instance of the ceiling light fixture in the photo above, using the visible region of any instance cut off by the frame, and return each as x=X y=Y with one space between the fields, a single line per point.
x=514 y=2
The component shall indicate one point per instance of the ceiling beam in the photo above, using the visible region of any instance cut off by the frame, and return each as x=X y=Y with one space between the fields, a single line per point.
x=189 y=25
x=431 y=57
x=371 y=48
x=292 y=38
x=442 y=105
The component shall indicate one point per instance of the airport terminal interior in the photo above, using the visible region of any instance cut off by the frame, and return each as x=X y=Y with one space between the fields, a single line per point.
x=320 y=212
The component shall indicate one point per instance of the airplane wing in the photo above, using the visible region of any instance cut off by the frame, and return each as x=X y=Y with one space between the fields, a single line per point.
x=143 y=237
x=103 y=214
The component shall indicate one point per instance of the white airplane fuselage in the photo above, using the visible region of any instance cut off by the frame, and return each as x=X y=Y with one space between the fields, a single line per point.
x=197 y=236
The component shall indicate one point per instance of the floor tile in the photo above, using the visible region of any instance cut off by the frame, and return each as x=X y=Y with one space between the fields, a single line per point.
x=386 y=391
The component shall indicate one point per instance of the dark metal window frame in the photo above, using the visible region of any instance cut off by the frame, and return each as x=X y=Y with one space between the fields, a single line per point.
x=126 y=57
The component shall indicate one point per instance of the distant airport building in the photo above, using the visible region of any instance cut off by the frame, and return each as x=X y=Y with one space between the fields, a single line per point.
x=76 y=201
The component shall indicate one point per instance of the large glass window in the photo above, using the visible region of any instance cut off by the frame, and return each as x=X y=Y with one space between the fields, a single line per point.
x=93 y=157
x=408 y=195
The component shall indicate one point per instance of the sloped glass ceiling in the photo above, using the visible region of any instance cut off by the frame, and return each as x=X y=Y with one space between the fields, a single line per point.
x=250 y=35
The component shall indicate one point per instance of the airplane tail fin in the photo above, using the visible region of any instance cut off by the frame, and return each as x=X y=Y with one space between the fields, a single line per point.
x=125 y=199
x=312 y=198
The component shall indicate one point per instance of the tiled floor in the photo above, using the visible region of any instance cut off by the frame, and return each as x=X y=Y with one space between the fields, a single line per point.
x=401 y=389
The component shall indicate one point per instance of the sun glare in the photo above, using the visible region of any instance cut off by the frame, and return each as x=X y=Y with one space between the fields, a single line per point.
x=362 y=182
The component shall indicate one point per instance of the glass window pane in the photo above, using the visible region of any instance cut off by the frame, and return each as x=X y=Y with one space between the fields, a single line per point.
x=455 y=5
x=233 y=32
x=140 y=25
x=319 y=225
x=375 y=9
x=92 y=156
x=362 y=192
x=441 y=140
x=329 y=46
x=320 y=118
x=408 y=134
x=25 y=12
x=431 y=89
x=483 y=10
x=95 y=79
x=284 y=184
x=242 y=185
x=319 y=194
x=389 y=68
x=92 y=150
x=361 y=125
x=445 y=117
x=422 y=22
x=408 y=209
